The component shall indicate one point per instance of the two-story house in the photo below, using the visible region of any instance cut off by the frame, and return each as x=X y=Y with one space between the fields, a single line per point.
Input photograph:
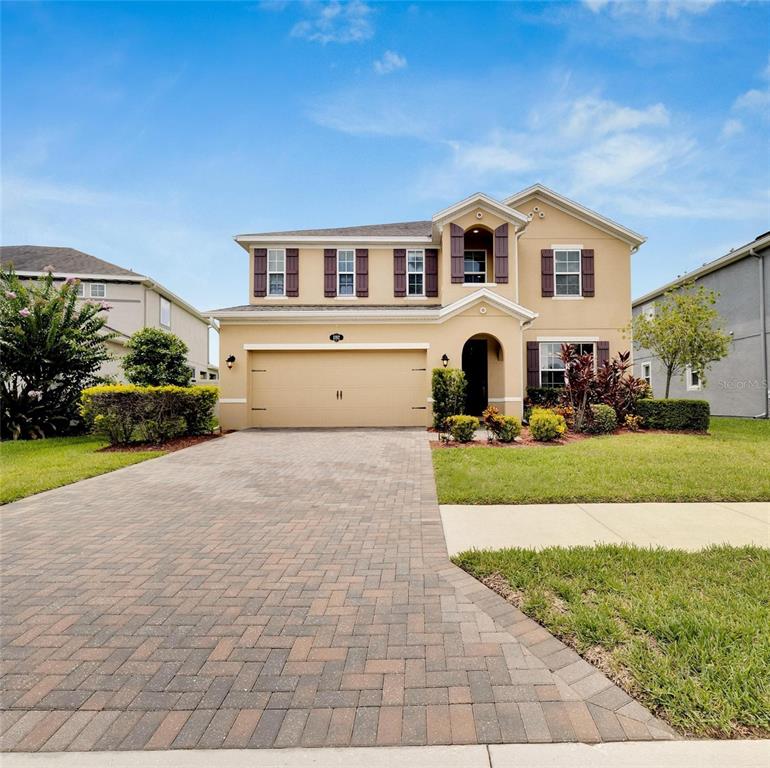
x=344 y=326
x=135 y=301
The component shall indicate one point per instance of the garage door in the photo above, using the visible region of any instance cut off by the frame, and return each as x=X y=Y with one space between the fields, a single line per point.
x=355 y=388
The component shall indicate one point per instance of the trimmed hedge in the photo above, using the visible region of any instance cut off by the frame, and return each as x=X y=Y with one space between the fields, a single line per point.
x=462 y=428
x=126 y=413
x=545 y=425
x=448 y=387
x=544 y=396
x=604 y=420
x=680 y=415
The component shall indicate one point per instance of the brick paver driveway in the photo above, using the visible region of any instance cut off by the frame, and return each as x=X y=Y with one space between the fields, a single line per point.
x=273 y=589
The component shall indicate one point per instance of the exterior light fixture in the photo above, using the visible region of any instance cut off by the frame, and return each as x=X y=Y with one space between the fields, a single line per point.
x=444 y=360
x=230 y=360
x=475 y=231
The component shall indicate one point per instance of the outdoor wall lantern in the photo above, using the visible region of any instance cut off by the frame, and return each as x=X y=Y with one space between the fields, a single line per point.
x=230 y=360
x=444 y=360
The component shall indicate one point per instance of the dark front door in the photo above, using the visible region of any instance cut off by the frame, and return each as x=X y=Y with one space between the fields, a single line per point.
x=475 y=367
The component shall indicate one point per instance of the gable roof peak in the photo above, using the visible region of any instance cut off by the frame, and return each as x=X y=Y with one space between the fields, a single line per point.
x=480 y=198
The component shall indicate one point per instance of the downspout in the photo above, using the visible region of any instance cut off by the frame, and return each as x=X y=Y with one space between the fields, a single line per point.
x=763 y=330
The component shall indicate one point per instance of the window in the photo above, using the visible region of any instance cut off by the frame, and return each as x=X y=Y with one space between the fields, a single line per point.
x=647 y=372
x=98 y=290
x=276 y=271
x=566 y=273
x=80 y=290
x=346 y=272
x=551 y=366
x=202 y=375
x=212 y=376
x=693 y=379
x=475 y=267
x=415 y=268
x=165 y=312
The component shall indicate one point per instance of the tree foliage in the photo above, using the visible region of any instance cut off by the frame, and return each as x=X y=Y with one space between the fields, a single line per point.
x=51 y=347
x=156 y=358
x=682 y=331
x=448 y=389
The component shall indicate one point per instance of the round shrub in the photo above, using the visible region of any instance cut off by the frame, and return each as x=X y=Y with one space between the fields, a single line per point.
x=462 y=428
x=545 y=425
x=503 y=428
x=604 y=420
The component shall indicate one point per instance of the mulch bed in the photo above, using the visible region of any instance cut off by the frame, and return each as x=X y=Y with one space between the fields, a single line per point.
x=525 y=440
x=172 y=445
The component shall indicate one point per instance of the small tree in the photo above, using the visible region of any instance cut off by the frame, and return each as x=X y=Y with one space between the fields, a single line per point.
x=51 y=347
x=448 y=389
x=156 y=358
x=683 y=330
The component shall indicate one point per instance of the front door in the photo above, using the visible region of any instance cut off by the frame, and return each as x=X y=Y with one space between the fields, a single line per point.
x=475 y=367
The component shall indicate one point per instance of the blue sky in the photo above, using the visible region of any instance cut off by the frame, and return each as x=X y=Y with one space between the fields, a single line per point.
x=150 y=133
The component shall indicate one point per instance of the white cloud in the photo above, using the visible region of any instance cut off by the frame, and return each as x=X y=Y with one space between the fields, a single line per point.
x=336 y=22
x=753 y=100
x=653 y=10
x=389 y=62
x=731 y=127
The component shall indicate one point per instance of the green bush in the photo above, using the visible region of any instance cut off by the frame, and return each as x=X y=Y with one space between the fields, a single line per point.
x=503 y=428
x=676 y=415
x=544 y=396
x=462 y=428
x=126 y=413
x=603 y=419
x=545 y=425
x=156 y=358
x=448 y=385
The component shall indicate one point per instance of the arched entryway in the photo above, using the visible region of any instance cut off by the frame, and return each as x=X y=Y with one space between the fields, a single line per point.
x=482 y=363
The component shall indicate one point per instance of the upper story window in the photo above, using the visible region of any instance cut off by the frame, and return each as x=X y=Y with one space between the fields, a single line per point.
x=165 y=312
x=475 y=267
x=346 y=272
x=276 y=272
x=98 y=290
x=415 y=269
x=647 y=372
x=566 y=272
x=551 y=365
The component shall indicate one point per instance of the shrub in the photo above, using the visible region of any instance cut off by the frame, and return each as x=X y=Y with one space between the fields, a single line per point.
x=545 y=425
x=675 y=414
x=568 y=412
x=124 y=413
x=603 y=419
x=156 y=358
x=462 y=428
x=543 y=396
x=503 y=428
x=448 y=385
x=633 y=423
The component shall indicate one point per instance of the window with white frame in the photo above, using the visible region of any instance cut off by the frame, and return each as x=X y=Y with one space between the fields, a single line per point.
x=551 y=365
x=165 y=312
x=346 y=272
x=566 y=265
x=693 y=379
x=415 y=269
x=647 y=372
x=475 y=270
x=276 y=272
x=80 y=290
x=98 y=290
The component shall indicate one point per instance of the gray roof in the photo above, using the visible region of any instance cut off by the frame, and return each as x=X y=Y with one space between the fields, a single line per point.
x=33 y=258
x=315 y=307
x=398 y=229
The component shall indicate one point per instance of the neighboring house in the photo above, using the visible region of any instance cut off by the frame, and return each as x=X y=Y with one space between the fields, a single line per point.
x=344 y=326
x=738 y=385
x=135 y=301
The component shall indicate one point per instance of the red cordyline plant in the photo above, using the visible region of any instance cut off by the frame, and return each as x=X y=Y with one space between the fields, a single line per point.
x=609 y=384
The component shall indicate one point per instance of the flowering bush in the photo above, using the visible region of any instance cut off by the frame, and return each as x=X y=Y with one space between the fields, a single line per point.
x=503 y=428
x=51 y=346
x=545 y=425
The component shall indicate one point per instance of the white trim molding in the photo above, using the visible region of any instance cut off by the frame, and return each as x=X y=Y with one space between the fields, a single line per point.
x=580 y=339
x=480 y=200
x=331 y=346
x=503 y=399
x=232 y=400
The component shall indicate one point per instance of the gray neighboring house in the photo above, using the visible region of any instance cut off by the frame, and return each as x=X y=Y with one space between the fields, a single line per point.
x=738 y=385
x=135 y=301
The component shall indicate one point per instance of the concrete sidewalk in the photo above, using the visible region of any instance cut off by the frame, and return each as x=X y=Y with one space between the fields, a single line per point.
x=634 y=754
x=674 y=526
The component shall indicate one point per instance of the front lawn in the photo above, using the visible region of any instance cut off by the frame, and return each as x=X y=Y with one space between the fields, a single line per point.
x=32 y=466
x=684 y=632
x=728 y=464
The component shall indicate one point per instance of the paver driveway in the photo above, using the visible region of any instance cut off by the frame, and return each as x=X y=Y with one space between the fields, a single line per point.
x=273 y=589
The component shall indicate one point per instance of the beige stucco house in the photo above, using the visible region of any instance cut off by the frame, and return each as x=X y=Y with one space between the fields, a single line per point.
x=344 y=326
x=135 y=301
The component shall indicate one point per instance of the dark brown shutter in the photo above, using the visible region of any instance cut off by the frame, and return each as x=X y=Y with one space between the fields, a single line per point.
x=292 y=271
x=587 y=269
x=362 y=272
x=399 y=271
x=260 y=271
x=431 y=272
x=501 y=254
x=602 y=352
x=457 y=239
x=533 y=364
x=546 y=271
x=330 y=272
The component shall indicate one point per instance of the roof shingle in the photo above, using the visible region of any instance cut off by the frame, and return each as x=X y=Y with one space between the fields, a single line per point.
x=398 y=229
x=33 y=258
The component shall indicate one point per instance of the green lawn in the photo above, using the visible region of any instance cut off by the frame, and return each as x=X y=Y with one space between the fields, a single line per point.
x=728 y=464
x=684 y=632
x=32 y=466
